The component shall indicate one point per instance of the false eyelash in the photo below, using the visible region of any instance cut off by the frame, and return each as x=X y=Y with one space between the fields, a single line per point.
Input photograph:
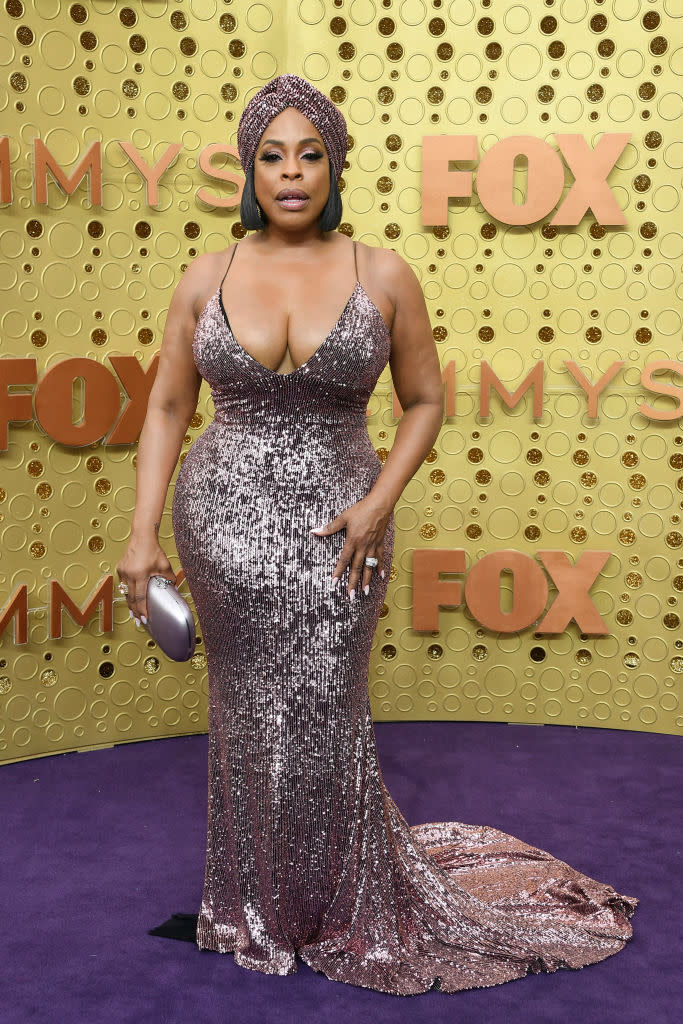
x=266 y=160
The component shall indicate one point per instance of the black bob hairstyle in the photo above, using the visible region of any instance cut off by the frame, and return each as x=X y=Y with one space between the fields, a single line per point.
x=254 y=219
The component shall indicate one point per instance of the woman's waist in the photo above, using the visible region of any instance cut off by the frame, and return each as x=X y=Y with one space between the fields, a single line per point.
x=316 y=435
x=271 y=422
x=252 y=449
x=238 y=476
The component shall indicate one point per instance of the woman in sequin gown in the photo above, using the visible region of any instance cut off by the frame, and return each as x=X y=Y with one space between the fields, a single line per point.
x=307 y=853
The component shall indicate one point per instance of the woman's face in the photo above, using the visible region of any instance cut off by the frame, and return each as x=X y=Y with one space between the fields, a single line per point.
x=291 y=155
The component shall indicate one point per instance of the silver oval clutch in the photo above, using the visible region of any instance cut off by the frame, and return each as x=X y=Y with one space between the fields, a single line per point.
x=169 y=619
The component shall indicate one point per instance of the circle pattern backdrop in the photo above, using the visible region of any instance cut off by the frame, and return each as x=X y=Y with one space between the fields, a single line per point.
x=80 y=279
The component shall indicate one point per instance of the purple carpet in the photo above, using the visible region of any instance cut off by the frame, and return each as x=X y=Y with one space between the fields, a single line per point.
x=99 y=847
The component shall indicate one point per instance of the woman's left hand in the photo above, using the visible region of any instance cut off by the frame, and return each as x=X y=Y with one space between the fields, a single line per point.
x=366 y=523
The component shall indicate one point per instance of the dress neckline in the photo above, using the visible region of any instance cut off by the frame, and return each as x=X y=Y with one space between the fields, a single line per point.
x=319 y=349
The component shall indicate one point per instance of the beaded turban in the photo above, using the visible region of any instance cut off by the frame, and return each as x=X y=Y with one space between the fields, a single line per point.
x=292 y=91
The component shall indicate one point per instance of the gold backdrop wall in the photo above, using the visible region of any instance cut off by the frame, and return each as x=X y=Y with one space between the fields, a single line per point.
x=94 y=281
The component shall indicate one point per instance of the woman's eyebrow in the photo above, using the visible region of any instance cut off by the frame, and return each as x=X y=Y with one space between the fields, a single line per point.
x=279 y=142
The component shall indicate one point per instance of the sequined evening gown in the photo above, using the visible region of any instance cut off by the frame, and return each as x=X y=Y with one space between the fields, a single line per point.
x=306 y=851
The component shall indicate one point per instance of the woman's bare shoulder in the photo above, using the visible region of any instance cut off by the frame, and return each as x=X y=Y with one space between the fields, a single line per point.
x=202 y=276
x=389 y=273
x=387 y=266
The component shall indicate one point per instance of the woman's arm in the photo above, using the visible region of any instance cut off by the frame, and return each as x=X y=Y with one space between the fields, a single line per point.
x=171 y=405
x=416 y=375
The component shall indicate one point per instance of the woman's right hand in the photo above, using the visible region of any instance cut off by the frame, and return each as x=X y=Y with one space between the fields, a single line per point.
x=143 y=558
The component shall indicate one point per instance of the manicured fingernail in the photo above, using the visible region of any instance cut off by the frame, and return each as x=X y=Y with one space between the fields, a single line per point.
x=143 y=618
x=366 y=589
x=137 y=622
x=317 y=529
x=131 y=613
x=335 y=581
x=352 y=595
x=382 y=574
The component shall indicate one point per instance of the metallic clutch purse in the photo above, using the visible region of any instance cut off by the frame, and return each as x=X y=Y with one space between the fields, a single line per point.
x=169 y=619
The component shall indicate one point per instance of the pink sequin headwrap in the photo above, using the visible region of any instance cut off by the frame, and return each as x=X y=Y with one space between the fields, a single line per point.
x=292 y=91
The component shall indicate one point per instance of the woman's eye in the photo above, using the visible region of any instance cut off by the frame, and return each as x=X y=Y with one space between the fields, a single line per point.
x=276 y=156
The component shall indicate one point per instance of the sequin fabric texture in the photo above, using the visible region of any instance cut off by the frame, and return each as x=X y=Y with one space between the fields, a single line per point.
x=307 y=854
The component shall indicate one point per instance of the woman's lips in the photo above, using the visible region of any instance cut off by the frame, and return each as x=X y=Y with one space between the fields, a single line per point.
x=291 y=203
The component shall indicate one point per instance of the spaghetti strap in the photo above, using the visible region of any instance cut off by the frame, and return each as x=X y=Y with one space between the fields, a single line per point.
x=232 y=256
x=355 y=259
